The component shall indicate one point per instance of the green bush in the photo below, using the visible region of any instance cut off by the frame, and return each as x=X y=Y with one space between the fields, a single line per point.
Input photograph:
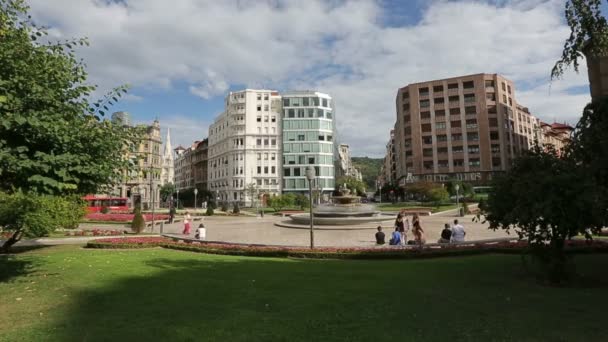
x=235 y=208
x=302 y=201
x=209 y=211
x=225 y=207
x=138 y=224
x=32 y=215
x=105 y=210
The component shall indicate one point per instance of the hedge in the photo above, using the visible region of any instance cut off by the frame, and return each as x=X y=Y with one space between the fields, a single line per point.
x=330 y=252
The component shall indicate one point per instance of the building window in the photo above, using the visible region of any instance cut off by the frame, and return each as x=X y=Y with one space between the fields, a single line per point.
x=427 y=140
x=259 y=107
x=504 y=86
x=504 y=98
x=423 y=91
x=427 y=152
x=440 y=125
x=471 y=123
x=453 y=86
x=443 y=163
x=490 y=83
x=495 y=148
x=265 y=169
x=442 y=137
x=425 y=127
x=425 y=103
x=473 y=149
x=510 y=102
x=258 y=142
x=474 y=162
x=457 y=149
x=321 y=138
x=265 y=142
x=454 y=98
x=259 y=170
x=468 y=98
x=425 y=115
x=456 y=137
x=300 y=137
x=440 y=112
x=273 y=142
x=273 y=170
x=472 y=137
x=442 y=150
x=470 y=110
x=273 y=119
x=468 y=85
x=273 y=156
x=491 y=96
x=458 y=163
x=454 y=111
x=438 y=88
x=259 y=156
x=438 y=100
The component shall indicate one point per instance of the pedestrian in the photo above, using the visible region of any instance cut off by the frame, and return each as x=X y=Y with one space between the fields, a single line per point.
x=400 y=225
x=187 y=219
x=201 y=232
x=380 y=236
x=417 y=230
x=446 y=234
x=458 y=232
x=171 y=214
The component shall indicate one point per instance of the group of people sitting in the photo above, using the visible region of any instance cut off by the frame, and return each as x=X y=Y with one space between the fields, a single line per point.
x=455 y=233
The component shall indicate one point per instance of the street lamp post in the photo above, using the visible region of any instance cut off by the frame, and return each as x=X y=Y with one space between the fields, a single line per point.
x=310 y=175
x=379 y=186
x=457 y=187
x=195 y=193
x=177 y=200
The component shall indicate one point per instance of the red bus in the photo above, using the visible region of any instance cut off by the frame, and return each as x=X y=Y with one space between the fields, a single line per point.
x=95 y=203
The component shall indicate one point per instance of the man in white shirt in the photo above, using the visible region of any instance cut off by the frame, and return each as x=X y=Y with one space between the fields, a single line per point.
x=458 y=232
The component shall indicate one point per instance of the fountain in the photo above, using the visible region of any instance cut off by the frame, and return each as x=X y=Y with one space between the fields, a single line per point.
x=346 y=210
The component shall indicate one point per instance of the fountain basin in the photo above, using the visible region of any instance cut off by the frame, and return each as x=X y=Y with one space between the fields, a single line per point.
x=340 y=219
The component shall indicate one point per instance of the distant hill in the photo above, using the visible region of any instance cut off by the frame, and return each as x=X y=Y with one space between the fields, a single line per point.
x=370 y=168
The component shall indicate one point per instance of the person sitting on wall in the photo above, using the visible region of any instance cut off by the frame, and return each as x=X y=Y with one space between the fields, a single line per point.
x=446 y=234
x=380 y=236
x=396 y=237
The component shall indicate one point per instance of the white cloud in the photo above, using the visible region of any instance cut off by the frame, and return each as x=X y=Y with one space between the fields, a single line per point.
x=339 y=47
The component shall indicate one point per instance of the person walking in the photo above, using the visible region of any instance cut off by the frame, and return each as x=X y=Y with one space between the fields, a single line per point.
x=171 y=214
x=417 y=230
x=458 y=232
x=187 y=219
x=400 y=225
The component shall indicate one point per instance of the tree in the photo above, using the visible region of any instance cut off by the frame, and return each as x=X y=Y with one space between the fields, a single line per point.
x=139 y=223
x=438 y=195
x=588 y=35
x=370 y=169
x=589 y=152
x=32 y=215
x=53 y=140
x=167 y=191
x=544 y=199
x=301 y=201
x=276 y=203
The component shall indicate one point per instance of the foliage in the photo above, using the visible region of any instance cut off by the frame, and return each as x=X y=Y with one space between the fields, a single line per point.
x=427 y=191
x=167 y=191
x=589 y=151
x=302 y=201
x=465 y=189
x=281 y=201
x=438 y=195
x=138 y=224
x=235 y=208
x=225 y=206
x=545 y=199
x=356 y=186
x=391 y=191
x=209 y=211
x=186 y=197
x=52 y=138
x=33 y=215
x=370 y=169
x=105 y=210
x=588 y=34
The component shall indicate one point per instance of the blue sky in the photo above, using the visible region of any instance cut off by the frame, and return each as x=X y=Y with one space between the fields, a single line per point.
x=183 y=57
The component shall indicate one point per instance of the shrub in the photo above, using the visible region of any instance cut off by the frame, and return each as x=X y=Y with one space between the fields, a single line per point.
x=210 y=210
x=235 y=208
x=225 y=207
x=138 y=224
x=105 y=210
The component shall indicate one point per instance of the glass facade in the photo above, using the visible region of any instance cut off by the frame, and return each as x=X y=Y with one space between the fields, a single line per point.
x=308 y=140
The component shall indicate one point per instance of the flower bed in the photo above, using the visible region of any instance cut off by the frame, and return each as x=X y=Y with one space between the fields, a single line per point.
x=94 y=232
x=115 y=217
x=329 y=252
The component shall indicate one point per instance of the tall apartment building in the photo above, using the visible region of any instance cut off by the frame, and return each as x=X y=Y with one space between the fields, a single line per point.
x=199 y=164
x=142 y=185
x=466 y=127
x=308 y=140
x=245 y=146
x=388 y=169
x=184 y=173
x=557 y=135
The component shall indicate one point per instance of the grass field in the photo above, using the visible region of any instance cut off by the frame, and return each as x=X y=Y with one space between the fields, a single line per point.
x=66 y=293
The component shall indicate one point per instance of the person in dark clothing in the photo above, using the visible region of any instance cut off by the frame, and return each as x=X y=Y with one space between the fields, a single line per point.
x=446 y=234
x=171 y=214
x=380 y=236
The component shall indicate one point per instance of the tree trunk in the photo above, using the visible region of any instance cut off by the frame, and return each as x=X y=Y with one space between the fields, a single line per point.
x=557 y=261
x=11 y=241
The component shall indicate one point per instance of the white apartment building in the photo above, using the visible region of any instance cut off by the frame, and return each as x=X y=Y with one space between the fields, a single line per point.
x=245 y=146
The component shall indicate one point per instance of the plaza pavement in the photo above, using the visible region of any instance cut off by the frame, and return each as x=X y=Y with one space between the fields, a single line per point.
x=256 y=230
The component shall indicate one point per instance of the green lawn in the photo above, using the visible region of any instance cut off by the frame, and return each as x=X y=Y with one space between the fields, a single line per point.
x=71 y=294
